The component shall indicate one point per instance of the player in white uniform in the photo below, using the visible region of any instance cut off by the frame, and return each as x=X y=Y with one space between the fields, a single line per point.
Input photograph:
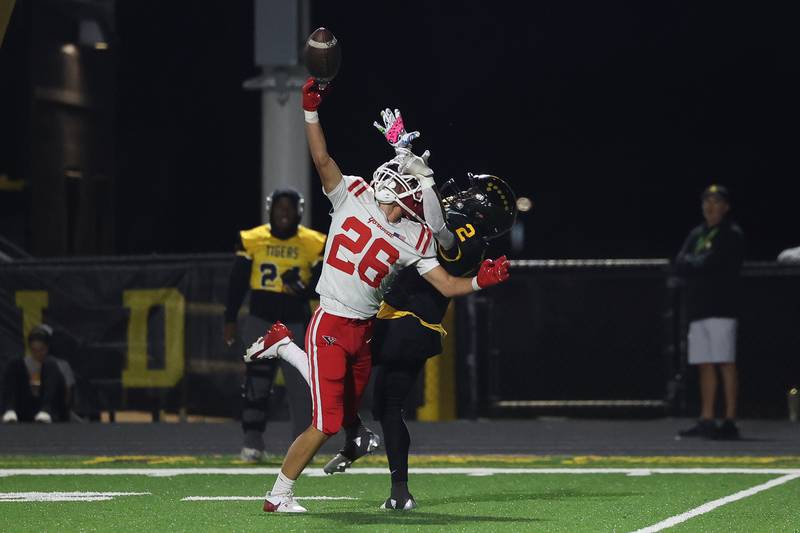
x=373 y=234
x=365 y=247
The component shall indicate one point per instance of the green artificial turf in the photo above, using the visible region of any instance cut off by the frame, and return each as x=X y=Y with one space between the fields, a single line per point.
x=451 y=502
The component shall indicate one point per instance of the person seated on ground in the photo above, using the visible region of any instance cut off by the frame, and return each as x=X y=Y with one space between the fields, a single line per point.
x=37 y=387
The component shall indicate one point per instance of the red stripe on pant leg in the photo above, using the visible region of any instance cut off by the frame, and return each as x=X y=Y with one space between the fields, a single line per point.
x=315 y=334
x=312 y=361
x=312 y=374
x=308 y=333
x=310 y=367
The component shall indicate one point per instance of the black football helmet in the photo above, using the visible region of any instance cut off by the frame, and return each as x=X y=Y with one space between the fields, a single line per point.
x=487 y=201
x=296 y=198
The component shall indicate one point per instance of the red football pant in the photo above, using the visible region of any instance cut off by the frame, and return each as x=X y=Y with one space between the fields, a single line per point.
x=339 y=363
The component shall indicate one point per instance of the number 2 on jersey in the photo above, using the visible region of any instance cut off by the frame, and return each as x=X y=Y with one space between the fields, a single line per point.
x=370 y=261
x=268 y=273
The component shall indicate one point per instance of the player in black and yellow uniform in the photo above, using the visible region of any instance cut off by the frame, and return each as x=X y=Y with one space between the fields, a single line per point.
x=278 y=263
x=409 y=330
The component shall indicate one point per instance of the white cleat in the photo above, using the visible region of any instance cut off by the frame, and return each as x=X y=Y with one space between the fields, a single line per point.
x=43 y=417
x=282 y=503
x=251 y=455
x=266 y=347
x=9 y=417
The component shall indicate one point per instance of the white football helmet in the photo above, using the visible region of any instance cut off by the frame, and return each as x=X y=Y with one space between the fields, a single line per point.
x=393 y=186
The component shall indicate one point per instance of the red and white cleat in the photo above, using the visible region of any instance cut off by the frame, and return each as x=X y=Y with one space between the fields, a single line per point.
x=266 y=347
x=282 y=503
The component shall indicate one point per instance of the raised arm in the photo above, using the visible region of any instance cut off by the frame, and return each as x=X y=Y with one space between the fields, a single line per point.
x=490 y=273
x=394 y=131
x=328 y=170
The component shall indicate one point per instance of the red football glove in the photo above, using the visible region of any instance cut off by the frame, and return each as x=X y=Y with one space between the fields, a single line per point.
x=312 y=94
x=493 y=272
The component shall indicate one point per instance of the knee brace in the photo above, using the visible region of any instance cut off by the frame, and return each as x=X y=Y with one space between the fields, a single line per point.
x=255 y=396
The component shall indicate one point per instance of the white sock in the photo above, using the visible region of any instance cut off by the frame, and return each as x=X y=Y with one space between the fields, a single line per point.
x=292 y=354
x=283 y=485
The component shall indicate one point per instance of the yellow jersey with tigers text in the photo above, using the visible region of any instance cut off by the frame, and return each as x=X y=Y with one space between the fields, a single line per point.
x=272 y=257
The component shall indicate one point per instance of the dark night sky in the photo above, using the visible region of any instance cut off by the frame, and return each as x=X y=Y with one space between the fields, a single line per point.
x=611 y=116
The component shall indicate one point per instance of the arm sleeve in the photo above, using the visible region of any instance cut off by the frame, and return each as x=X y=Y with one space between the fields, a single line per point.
x=434 y=217
x=238 y=284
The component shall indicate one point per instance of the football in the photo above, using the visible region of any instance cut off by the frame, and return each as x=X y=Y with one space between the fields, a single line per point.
x=322 y=55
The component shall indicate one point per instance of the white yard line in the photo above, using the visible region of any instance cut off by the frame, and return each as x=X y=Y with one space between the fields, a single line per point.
x=258 y=498
x=64 y=496
x=710 y=506
x=170 y=472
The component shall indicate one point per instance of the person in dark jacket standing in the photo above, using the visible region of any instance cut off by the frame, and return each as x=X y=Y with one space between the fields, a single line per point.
x=710 y=261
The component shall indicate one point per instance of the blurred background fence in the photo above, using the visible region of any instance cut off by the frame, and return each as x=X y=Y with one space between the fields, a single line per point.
x=571 y=337
x=609 y=337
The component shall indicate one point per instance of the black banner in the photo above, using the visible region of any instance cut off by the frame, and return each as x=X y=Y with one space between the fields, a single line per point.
x=141 y=332
x=146 y=333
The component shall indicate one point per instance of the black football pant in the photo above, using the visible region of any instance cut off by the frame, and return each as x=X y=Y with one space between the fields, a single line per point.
x=393 y=383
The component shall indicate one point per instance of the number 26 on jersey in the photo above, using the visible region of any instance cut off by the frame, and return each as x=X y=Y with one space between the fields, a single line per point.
x=374 y=264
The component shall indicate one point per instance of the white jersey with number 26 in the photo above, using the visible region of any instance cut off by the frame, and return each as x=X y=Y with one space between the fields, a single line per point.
x=364 y=250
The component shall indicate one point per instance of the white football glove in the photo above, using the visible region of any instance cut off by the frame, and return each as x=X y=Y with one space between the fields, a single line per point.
x=393 y=129
x=410 y=163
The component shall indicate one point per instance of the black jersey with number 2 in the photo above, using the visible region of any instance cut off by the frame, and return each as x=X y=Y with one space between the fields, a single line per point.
x=410 y=292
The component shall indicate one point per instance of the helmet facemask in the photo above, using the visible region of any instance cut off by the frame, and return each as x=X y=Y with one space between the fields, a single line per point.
x=392 y=187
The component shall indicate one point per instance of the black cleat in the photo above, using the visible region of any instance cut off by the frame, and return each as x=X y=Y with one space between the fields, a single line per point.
x=400 y=504
x=366 y=443
x=706 y=429
x=727 y=431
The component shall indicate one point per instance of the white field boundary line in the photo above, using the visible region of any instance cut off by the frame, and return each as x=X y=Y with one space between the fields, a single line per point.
x=710 y=506
x=257 y=498
x=11 y=497
x=317 y=472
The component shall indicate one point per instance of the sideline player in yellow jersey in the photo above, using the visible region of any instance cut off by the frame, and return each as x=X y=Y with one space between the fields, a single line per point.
x=279 y=263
